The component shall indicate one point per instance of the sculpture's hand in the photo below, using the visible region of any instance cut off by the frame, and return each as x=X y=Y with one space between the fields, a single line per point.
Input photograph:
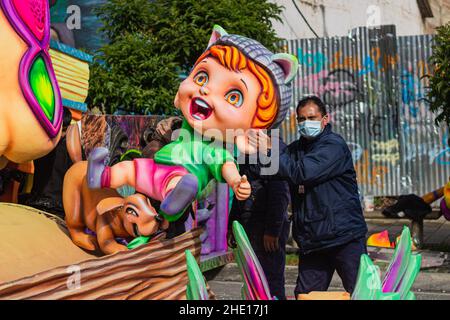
x=242 y=188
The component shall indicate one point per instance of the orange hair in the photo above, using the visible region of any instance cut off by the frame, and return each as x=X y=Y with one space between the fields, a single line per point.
x=231 y=58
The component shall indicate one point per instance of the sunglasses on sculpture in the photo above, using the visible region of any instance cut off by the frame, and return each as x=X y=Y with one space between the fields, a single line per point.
x=30 y=19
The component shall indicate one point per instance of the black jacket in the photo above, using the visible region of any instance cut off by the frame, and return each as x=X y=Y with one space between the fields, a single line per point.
x=328 y=213
x=49 y=172
x=265 y=211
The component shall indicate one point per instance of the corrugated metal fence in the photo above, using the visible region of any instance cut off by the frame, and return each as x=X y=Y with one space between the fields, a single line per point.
x=374 y=84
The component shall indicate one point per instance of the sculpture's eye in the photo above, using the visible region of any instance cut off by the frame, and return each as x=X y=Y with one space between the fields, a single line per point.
x=132 y=212
x=42 y=88
x=201 y=78
x=34 y=14
x=31 y=21
x=235 y=98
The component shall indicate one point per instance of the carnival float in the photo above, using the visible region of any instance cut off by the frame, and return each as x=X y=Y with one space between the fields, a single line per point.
x=137 y=225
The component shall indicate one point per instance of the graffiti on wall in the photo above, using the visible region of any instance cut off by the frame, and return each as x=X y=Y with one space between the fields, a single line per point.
x=375 y=87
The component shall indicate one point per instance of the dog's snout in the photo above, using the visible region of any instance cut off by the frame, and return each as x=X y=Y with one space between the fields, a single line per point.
x=159 y=218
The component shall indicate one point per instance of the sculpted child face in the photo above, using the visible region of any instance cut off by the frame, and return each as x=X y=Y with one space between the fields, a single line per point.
x=22 y=136
x=214 y=98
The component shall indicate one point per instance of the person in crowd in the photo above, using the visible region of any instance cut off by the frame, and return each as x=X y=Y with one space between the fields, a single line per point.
x=264 y=218
x=328 y=222
x=49 y=171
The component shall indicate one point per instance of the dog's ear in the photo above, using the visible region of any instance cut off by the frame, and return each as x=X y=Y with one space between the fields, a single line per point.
x=109 y=204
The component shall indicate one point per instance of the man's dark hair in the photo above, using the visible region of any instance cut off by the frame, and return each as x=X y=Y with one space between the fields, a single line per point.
x=67 y=118
x=312 y=99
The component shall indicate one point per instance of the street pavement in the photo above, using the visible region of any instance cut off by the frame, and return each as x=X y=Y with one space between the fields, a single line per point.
x=436 y=233
x=226 y=284
x=230 y=290
x=430 y=284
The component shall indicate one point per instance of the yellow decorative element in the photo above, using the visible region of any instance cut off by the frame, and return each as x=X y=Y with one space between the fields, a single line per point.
x=380 y=239
x=72 y=75
x=447 y=194
x=328 y=295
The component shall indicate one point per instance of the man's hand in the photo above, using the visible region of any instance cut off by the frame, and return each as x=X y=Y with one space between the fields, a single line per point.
x=259 y=140
x=230 y=239
x=242 y=188
x=243 y=144
x=271 y=243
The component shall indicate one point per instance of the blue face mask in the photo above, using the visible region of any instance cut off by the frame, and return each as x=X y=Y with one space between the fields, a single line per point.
x=310 y=129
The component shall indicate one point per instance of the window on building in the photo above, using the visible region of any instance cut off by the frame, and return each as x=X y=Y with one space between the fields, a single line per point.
x=425 y=9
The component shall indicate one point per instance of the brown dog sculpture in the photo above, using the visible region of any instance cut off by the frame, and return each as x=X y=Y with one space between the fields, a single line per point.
x=106 y=213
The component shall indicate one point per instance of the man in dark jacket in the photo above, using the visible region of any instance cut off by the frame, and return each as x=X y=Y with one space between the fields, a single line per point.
x=328 y=223
x=264 y=218
x=49 y=172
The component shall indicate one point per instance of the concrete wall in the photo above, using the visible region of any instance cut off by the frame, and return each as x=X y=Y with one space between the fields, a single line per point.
x=336 y=17
x=441 y=12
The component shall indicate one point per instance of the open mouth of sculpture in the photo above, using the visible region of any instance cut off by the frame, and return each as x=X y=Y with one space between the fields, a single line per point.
x=136 y=230
x=200 y=109
x=160 y=234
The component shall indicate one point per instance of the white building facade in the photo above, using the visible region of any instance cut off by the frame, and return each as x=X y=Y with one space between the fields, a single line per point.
x=329 y=18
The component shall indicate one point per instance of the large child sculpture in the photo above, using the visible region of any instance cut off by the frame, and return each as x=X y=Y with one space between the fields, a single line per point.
x=237 y=84
x=30 y=100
